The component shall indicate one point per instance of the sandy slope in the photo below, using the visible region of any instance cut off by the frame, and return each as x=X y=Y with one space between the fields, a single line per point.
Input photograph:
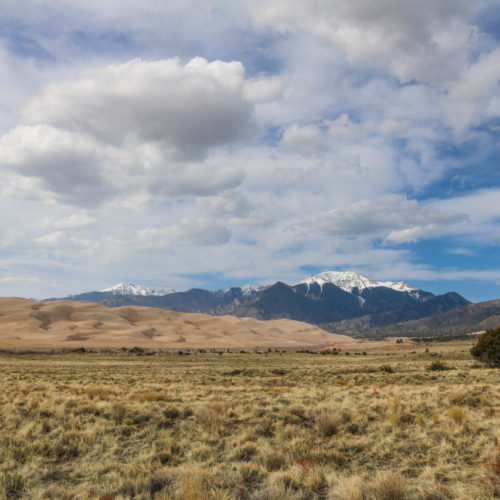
x=24 y=323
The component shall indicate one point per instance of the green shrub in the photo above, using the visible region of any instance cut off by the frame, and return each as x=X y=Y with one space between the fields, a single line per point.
x=136 y=350
x=437 y=366
x=487 y=347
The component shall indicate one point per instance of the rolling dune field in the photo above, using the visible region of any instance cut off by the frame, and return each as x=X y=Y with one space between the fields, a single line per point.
x=25 y=323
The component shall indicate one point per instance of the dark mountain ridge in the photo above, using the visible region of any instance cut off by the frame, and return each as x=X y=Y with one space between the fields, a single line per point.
x=457 y=321
x=356 y=305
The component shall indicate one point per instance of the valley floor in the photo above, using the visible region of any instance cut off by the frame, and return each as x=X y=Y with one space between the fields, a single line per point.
x=280 y=425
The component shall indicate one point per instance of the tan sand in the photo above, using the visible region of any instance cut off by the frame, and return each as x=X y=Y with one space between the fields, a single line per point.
x=25 y=324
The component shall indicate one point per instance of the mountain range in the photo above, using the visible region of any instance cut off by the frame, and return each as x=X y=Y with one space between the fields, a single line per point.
x=344 y=302
x=458 y=321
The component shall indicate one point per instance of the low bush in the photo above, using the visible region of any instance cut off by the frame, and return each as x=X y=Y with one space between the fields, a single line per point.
x=437 y=366
x=264 y=428
x=245 y=454
x=136 y=350
x=171 y=412
x=274 y=461
x=487 y=347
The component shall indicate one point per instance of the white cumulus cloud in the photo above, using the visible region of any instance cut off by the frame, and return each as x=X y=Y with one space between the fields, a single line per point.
x=469 y=99
x=422 y=40
x=186 y=108
x=72 y=222
x=138 y=127
x=263 y=89
x=393 y=217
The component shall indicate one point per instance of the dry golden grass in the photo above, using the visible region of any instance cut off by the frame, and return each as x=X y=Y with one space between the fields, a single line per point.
x=250 y=426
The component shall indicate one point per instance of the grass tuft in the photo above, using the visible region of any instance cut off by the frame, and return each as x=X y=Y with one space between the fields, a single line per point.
x=328 y=423
x=12 y=486
x=146 y=397
x=389 y=485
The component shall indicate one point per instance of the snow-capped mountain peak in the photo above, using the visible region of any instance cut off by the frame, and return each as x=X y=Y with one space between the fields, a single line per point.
x=246 y=290
x=131 y=289
x=349 y=280
x=249 y=289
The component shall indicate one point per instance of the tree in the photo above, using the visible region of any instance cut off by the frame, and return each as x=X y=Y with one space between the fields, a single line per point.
x=487 y=347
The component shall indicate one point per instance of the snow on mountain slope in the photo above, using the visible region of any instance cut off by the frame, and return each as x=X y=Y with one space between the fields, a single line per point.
x=246 y=290
x=399 y=286
x=131 y=289
x=249 y=290
x=348 y=280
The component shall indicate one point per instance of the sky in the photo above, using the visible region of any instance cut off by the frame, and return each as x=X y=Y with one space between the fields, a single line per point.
x=228 y=142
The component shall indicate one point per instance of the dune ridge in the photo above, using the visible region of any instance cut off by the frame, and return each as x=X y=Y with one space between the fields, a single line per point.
x=25 y=323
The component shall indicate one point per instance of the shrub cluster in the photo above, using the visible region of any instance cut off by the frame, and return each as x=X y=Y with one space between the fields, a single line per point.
x=487 y=347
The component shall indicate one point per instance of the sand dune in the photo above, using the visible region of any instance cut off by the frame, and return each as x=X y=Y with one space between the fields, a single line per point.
x=24 y=323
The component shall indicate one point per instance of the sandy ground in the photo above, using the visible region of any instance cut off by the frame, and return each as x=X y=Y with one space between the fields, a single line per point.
x=25 y=323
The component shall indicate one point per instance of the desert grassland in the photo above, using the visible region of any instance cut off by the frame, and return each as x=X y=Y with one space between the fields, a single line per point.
x=257 y=426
